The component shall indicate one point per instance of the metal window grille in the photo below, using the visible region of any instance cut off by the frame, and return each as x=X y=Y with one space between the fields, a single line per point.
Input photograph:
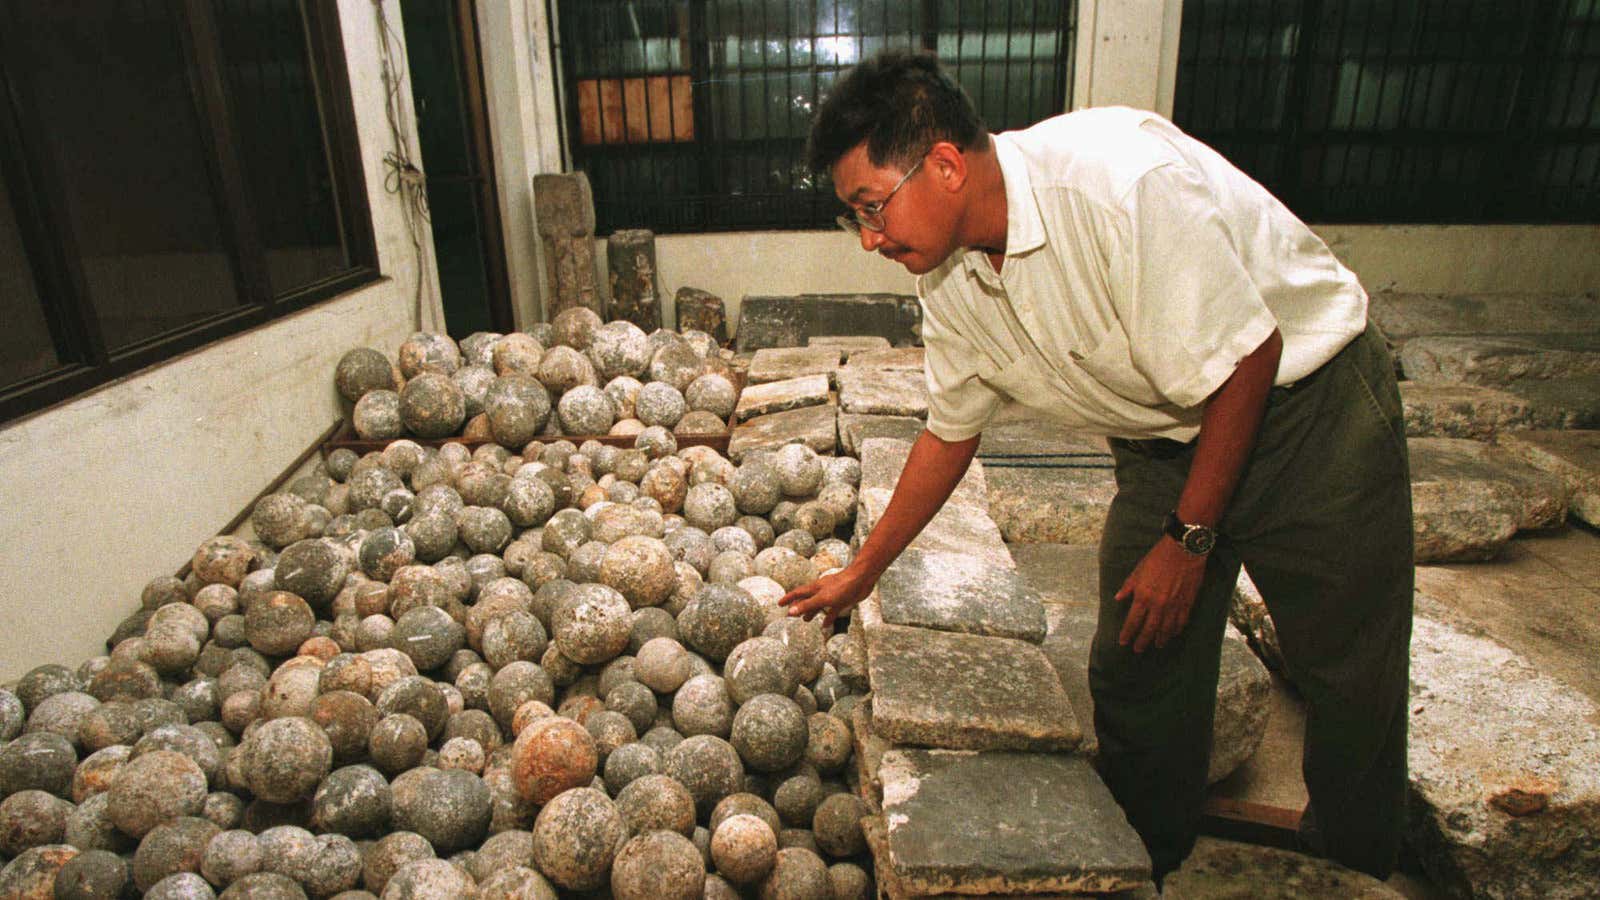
x=692 y=115
x=1402 y=110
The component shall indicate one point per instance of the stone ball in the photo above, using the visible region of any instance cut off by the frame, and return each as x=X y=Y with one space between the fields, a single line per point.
x=398 y=743
x=658 y=865
x=618 y=348
x=745 y=803
x=528 y=503
x=712 y=393
x=655 y=802
x=484 y=529
x=64 y=713
x=219 y=560
x=662 y=665
x=699 y=424
x=575 y=327
x=850 y=882
x=388 y=854
x=377 y=416
x=709 y=506
x=797 y=539
x=171 y=847
x=798 y=874
x=720 y=618
x=428 y=635
x=552 y=755
x=629 y=763
x=315 y=569
x=805 y=643
x=432 y=534
x=185 y=739
x=32 y=818
x=94 y=874
x=385 y=550
x=576 y=837
x=799 y=470
x=702 y=706
x=837 y=825
x=348 y=719
x=109 y=724
x=659 y=404
x=666 y=487
x=512 y=637
x=428 y=878
x=842 y=470
x=759 y=528
x=586 y=409
x=623 y=391
x=708 y=766
x=354 y=800
x=285 y=759
x=786 y=567
x=230 y=856
x=649 y=623
x=448 y=807
x=583 y=565
x=796 y=798
x=474 y=381
x=663 y=736
x=610 y=730
x=734 y=538
x=744 y=849
x=832 y=553
x=770 y=732
x=279 y=519
x=592 y=624
x=759 y=665
x=563 y=369
x=157 y=787
x=515 y=883
x=756 y=489
x=828 y=744
x=516 y=353
x=419 y=697
x=432 y=406
x=640 y=569
x=816 y=519
x=565 y=532
x=617 y=521
x=424 y=352
x=518 y=407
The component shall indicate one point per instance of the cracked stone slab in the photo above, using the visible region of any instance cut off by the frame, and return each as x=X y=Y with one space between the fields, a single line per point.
x=1500 y=359
x=956 y=591
x=778 y=396
x=1504 y=768
x=882 y=392
x=784 y=363
x=1542 y=497
x=903 y=359
x=1463 y=410
x=955 y=528
x=849 y=344
x=966 y=692
x=814 y=426
x=1005 y=823
x=1574 y=456
x=856 y=429
x=882 y=460
x=1218 y=868
x=1034 y=504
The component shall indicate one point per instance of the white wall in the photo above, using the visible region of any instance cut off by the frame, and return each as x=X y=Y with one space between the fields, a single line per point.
x=105 y=492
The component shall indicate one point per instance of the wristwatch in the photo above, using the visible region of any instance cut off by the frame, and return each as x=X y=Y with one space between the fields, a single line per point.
x=1197 y=540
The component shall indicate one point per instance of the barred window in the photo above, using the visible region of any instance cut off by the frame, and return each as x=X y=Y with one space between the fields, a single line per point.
x=691 y=115
x=1402 y=110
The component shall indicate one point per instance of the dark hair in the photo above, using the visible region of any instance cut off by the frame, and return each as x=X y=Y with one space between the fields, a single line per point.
x=900 y=103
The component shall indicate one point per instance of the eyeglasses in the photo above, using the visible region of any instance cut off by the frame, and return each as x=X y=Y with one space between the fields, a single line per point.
x=870 y=215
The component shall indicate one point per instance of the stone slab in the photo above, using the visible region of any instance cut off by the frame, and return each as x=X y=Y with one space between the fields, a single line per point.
x=1402 y=316
x=1054 y=502
x=697 y=310
x=814 y=426
x=882 y=460
x=777 y=396
x=966 y=692
x=783 y=363
x=1564 y=403
x=955 y=528
x=790 y=321
x=1572 y=455
x=1500 y=359
x=958 y=591
x=1223 y=869
x=903 y=359
x=1031 y=437
x=855 y=429
x=1249 y=614
x=869 y=750
x=849 y=344
x=1462 y=410
x=1491 y=736
x=883 y=392
x=1541 y=498
x=1005 y=823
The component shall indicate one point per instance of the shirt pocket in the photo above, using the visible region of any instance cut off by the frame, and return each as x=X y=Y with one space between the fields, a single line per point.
x=1111 y=364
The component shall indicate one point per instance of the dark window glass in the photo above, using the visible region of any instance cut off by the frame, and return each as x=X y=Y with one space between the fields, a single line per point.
x=26 y=348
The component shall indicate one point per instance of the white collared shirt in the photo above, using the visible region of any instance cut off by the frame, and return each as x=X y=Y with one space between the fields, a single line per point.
x=1140 y=267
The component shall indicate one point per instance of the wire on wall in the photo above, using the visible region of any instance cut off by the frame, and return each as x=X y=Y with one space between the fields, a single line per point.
x=401 y=175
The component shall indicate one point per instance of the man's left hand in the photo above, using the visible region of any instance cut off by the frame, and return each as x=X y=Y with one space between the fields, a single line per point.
x=1162 y=589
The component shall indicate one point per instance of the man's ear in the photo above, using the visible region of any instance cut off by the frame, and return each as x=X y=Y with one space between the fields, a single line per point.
x=948 y=164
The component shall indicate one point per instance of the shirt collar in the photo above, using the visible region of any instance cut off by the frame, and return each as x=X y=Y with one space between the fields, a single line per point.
x=1024 y=222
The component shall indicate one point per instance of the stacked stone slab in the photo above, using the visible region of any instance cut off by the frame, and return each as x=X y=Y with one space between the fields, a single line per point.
x=564 y=215
x=968 y=750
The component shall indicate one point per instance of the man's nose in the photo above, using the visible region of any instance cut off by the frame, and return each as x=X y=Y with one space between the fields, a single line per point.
x=871 y=240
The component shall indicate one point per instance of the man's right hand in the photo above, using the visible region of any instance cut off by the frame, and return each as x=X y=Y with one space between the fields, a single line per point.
x=832 y=595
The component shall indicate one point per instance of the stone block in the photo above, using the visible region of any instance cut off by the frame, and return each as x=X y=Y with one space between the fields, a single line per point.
x=1005 y=823
x=903 y=359
x=1402 y=316
x=790 y=321
x=631 y=267
x=564 y=216
x=563 y=205
x=1459 y=521
x=1499 y=360
x=1539 y=497
x=1017 y=433
x=784 y=363
x=1504 y=767
x=854 y=429
x=1061 y=501
x=869 y=750
x=814 y=426
x=967 y=692
x=882 y=460
x=1462 y=410
x=849 y=344
x=882 y=392
x=1573 y=456
x=777 y=396
x=1218 y=868
x=958 y=591
x=1563 y=403
x=697 y=310
x=955 y=528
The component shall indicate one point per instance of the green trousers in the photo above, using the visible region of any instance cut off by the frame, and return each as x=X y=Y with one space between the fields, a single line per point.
x=1321 y=521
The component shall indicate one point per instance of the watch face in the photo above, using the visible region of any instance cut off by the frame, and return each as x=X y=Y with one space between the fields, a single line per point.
x=1199 y=540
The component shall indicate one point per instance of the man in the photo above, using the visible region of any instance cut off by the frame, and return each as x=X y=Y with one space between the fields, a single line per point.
x=1108 y=271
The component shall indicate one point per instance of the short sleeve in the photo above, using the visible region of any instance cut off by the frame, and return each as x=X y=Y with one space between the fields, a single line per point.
x=959 y=403
x=1183 y=295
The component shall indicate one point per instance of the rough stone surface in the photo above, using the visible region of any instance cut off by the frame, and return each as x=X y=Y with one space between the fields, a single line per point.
x=855 y=429
x=1540 y=498
x=961 y=691
x=1574 y=456
x=960 y=592
x=883 y=392
x=788 y=321
x=1035 y=504
x=564 y=210
x=1458 y=520
x=849 y=344
x=697 y=310
x=1219 y=868
x=956 y=528
x=814 y=426
x=1462 y=410
x=1500 y=359
x=631 y=269
x=1048 y=825
x=782 y=364
x=659 y=865
x=778 y=396
x=903 y=359
x=883 y=459
x=1403 y=316
x=1572 y=402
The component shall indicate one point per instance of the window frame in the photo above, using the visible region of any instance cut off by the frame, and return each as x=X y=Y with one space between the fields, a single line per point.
x=39 y=202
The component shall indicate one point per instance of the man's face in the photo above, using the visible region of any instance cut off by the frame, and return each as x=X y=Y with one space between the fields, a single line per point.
x=917 y=229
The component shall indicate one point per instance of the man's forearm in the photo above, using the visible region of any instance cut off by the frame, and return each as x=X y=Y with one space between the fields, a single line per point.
x=932 y=472
x=1228 y=428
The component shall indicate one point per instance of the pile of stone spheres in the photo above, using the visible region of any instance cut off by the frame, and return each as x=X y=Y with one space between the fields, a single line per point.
x=573 y=376
x=438 y=673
